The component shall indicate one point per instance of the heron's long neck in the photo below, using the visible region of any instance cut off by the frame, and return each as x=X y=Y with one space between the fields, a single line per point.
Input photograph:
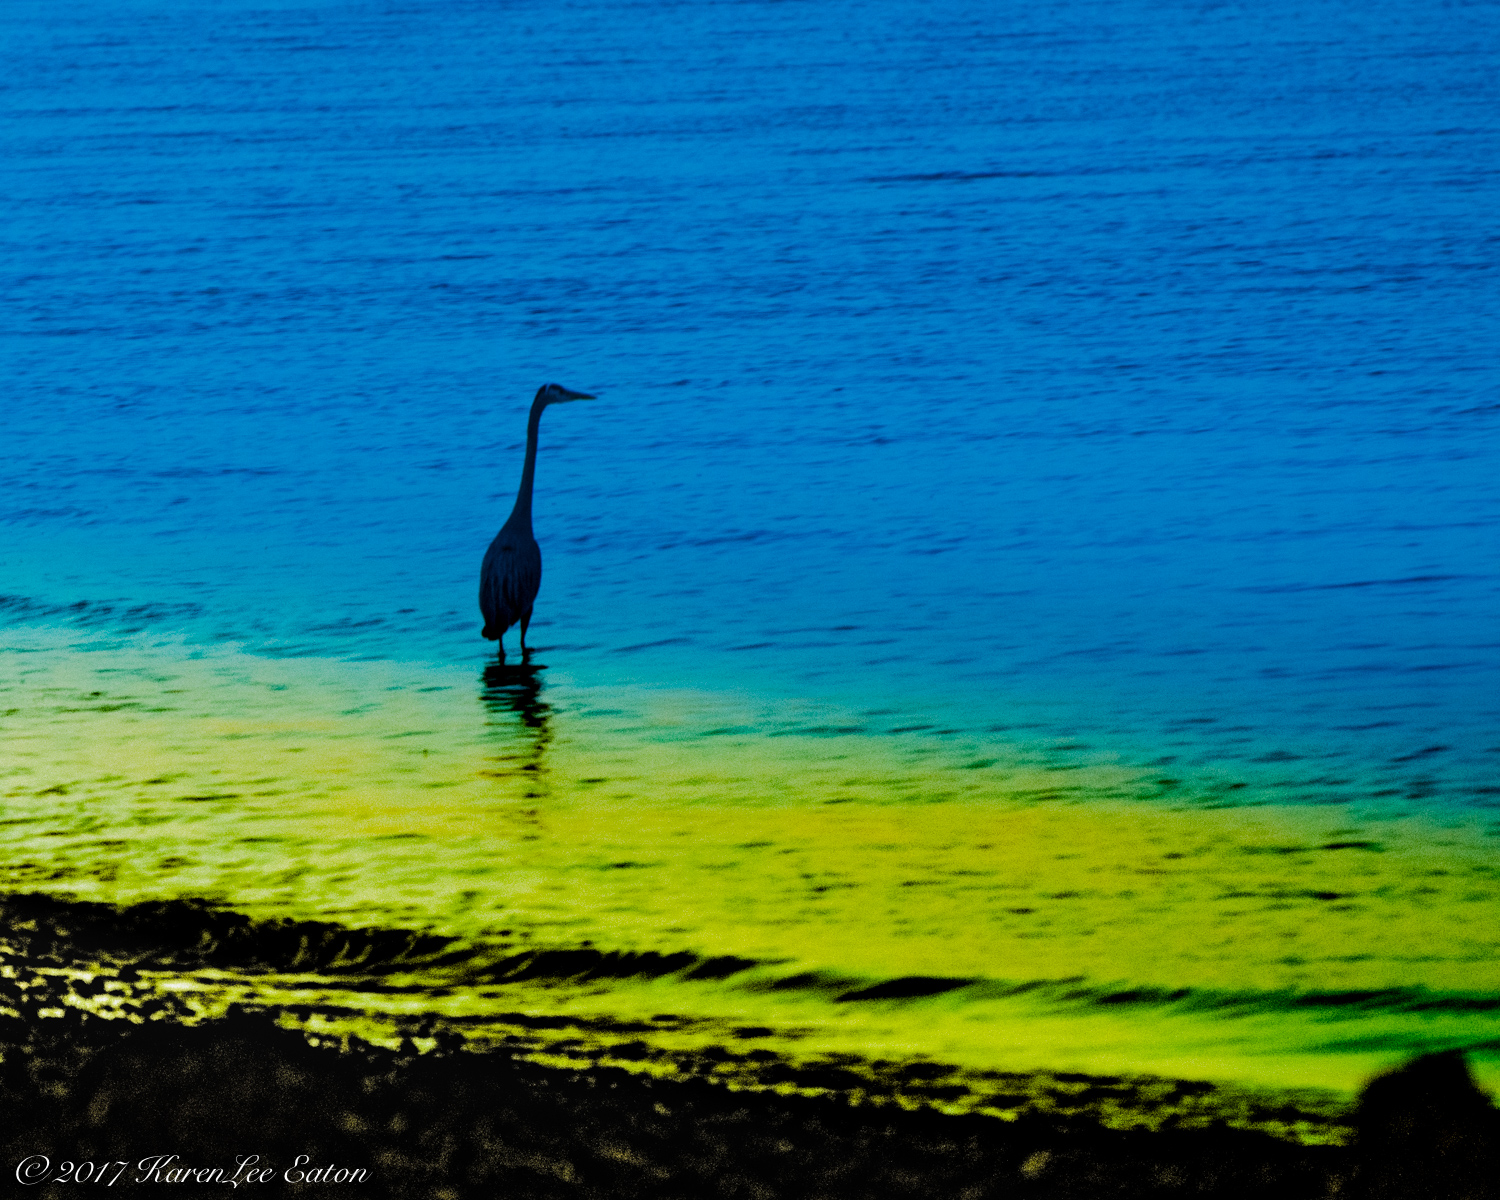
x=521 y=514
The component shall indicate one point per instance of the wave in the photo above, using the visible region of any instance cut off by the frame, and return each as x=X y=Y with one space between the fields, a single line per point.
x=195 y=934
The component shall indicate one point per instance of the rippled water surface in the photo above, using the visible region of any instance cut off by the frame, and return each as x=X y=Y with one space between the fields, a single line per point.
x=1024 y=599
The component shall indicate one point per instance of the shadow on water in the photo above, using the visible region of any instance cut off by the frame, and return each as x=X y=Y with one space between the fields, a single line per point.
x=514 y=690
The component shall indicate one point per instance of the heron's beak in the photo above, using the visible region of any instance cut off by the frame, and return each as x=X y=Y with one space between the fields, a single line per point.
x=572 y=395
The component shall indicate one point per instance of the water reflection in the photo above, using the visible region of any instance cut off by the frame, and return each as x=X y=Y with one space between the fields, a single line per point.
x=509 y=691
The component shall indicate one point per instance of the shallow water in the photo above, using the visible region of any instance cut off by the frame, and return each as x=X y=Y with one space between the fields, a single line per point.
x=617 y=877
x=1036 y=532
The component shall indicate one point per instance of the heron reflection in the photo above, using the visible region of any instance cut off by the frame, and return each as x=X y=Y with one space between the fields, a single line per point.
x=511 y=691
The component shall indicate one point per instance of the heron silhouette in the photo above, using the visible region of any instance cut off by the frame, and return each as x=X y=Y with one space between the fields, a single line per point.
x=512 y=570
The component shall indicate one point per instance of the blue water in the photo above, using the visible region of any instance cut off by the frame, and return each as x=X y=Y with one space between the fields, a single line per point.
x=1115 y=376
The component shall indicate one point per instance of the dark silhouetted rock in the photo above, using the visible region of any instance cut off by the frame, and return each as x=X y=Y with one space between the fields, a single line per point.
x=1427 y=1131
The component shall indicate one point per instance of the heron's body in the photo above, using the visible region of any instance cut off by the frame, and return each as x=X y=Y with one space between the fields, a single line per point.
x=512 y=571
x=509 y=580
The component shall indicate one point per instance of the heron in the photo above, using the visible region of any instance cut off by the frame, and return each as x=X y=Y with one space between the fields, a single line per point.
x=512 y=570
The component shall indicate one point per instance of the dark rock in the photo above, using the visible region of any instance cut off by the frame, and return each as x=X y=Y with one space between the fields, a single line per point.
x=1426 y=1131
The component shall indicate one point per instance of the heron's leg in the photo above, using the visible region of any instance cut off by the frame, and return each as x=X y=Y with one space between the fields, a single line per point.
x=500 y=646
x=525 y=621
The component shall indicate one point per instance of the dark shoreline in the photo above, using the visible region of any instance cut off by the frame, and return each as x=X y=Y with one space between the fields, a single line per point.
x=96 y=1069
x=453 y=1123
x=158 y=960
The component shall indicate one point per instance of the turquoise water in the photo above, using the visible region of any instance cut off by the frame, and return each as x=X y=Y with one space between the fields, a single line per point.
x=1037 y=531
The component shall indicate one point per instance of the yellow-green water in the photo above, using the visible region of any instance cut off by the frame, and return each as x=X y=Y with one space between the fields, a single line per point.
x=1081 y=922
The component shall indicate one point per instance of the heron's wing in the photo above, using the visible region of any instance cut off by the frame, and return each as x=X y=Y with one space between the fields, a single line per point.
x=508 y=582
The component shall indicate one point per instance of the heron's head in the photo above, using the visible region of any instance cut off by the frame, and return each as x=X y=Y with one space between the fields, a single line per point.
x=555 y=393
